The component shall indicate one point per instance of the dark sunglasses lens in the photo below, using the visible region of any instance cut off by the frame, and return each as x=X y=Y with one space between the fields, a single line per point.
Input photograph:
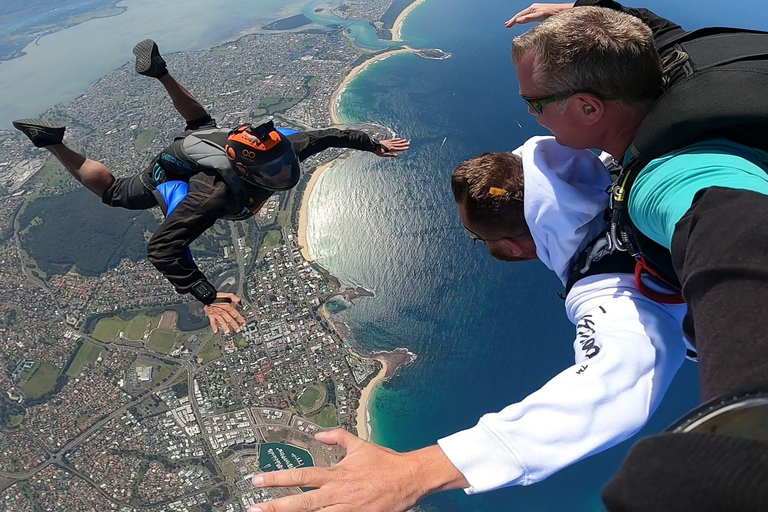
x=535 y=105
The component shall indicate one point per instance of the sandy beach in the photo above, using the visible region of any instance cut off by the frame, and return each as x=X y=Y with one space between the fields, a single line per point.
x=365 y=399
x=317 y=174
x=398 y=25
x=334 y=106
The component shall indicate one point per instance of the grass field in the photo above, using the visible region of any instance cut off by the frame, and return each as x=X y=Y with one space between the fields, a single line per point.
x=52 y=174
x=145 y=138
x=272 y=239
x=88 y=353
x=81 y=420
x=275 y=105
x=160 y=374
x=327 y=417
x=108 y=329
x=211 y=350
x=309 y=398
x=138 y=326
x=39 y=380
x=161 y=341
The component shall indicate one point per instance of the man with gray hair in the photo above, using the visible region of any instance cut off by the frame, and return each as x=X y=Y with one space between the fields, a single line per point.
x=690 y=128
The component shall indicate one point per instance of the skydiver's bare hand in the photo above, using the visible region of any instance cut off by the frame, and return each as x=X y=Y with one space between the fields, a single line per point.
x=370 y=478
x=391 y=147
x=537 y=12
x=224 y=314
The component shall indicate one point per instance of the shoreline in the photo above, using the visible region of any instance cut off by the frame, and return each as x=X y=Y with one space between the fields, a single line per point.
x=390 y=364
x=397 y=26
x=333 y=107
x=303 y=227
x=366 y=395
x=390 y=361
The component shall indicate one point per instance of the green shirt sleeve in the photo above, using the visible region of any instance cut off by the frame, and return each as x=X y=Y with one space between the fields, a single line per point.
x=665 y=188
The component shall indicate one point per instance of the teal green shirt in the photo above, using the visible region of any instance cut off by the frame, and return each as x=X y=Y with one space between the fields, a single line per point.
x=664 y=189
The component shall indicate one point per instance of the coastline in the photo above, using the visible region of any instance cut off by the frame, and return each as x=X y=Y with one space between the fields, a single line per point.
x=363 y=414
x=390 y=361
x=397 y=26
x=317 y=174
x=336 y=117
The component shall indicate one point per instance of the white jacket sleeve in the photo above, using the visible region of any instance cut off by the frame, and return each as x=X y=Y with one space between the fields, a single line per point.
x=627 y=348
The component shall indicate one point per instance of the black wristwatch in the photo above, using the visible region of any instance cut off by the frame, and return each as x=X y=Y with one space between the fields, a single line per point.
x=204 y=291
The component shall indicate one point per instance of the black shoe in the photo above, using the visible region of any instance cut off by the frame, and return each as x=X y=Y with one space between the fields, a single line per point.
x=148 y=59
x=41 y=133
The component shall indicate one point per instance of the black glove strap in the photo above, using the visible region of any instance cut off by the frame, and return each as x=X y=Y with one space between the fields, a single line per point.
x=204 y=291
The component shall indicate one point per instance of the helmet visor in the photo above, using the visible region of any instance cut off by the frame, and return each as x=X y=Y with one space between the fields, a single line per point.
x=282 y=173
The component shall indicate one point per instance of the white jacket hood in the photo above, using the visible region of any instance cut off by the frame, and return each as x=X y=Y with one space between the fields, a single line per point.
x=565 y=196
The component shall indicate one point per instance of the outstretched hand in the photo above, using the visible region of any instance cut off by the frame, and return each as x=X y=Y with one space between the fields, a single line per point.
x=370 y=478
x=537 y=12
x=391 y=147
x=224 y=314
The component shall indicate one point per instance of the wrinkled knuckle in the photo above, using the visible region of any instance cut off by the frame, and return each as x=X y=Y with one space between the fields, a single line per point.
x=296 y=477
x=303 y=503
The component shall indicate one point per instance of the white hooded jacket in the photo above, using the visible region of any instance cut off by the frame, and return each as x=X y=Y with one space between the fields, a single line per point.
x=627 y=347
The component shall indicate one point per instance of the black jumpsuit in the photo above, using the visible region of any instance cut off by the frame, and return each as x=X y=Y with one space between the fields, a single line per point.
x=208 y=199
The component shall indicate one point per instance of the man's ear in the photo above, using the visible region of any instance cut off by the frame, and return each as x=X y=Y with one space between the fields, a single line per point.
x=513 y=246
x=589 y=106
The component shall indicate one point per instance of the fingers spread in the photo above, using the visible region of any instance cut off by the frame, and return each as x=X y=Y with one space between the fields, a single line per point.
x=340 y=437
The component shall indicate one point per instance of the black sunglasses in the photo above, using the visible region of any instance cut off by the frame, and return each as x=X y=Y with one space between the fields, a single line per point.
x=538 y=104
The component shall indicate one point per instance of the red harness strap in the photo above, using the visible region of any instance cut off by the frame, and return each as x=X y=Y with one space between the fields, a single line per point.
x=662 y=298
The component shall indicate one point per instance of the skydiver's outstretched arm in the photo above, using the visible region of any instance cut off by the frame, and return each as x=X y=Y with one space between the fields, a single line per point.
x=150 y=63
x=312 y=142
x=663 y=29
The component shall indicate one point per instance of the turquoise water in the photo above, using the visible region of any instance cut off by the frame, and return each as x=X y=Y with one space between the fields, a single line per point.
x=362 y=32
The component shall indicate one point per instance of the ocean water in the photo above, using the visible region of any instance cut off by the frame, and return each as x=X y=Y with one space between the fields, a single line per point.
x=487 y=333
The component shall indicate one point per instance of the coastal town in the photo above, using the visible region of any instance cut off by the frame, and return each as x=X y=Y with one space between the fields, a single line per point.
x=116 y=394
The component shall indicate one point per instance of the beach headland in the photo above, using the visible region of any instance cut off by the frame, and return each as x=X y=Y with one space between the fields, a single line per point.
x=390 y=363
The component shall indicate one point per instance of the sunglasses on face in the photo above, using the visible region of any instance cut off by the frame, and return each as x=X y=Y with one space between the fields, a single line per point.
x=538 y=104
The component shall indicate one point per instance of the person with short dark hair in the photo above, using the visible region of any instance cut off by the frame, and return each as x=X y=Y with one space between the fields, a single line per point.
x=231 y=173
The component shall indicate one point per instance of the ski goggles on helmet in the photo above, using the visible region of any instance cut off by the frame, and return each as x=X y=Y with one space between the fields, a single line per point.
x=263 y=157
